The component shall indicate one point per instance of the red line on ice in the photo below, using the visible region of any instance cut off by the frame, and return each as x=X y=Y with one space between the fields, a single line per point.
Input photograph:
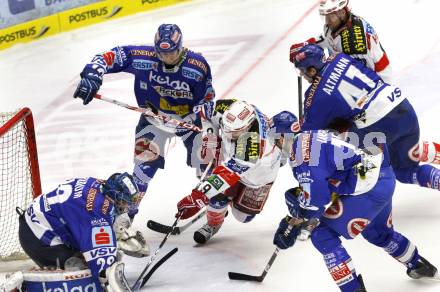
x=268 y=51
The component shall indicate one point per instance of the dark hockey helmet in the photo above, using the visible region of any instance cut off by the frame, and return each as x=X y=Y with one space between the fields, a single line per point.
x=168 y=38
x=310 y=55
x=122 y=189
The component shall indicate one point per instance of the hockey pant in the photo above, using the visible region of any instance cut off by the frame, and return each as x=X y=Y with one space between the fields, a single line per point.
x=369 y=214
x=245 y=203
x=149 y=152
x=40 y=253
x=402 y=132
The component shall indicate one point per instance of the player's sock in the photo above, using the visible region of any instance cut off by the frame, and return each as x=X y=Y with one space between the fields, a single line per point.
x=428 y=176
x=341 y=268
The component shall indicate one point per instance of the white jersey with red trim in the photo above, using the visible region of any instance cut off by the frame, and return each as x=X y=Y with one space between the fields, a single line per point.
x=255 y=158
x=358 y=39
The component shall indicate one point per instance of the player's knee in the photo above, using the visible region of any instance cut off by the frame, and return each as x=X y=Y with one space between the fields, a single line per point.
x=324 y=240
x=241 y=216
x=379 y=238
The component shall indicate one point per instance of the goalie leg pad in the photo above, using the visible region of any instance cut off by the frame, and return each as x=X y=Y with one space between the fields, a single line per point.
x=12 y=281
x=116 y=281
x=58 y=280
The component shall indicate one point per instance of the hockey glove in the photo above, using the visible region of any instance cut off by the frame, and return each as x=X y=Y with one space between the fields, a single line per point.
x=191 y=205
x=285 y=236
x=294 y=49
x=88 y=86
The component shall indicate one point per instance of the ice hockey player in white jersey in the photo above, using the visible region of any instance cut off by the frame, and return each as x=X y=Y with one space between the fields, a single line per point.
x=73 y=228
x=345 y=32
x=249 y=162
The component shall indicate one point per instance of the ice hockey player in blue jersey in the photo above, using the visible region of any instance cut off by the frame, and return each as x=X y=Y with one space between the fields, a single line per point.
x=169 y=79
x=345 y=93
x=357 y=187
x=75 y=224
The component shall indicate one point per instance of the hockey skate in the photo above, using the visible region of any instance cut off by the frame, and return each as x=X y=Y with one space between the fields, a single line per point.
x=423 y=269
x=205 y=233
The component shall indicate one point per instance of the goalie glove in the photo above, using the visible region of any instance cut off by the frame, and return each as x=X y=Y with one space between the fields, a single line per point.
x=129 y=241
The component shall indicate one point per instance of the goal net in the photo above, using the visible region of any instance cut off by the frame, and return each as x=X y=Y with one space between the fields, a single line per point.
x=19 y=176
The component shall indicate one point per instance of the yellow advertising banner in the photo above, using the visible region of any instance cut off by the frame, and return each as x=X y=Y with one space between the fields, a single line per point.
x=29 y=31
x=76 y=18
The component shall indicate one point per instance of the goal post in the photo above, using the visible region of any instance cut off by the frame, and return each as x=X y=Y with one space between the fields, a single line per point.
x=19 y=176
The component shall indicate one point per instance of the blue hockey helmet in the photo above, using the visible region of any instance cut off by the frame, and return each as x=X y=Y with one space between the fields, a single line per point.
x=168 y=38
x=283 y=122
x=310 y=55
x=122 y=189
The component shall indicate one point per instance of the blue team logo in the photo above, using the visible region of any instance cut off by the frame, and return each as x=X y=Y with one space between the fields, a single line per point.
x=102 y=236
x=140 y=64
x=192 y=73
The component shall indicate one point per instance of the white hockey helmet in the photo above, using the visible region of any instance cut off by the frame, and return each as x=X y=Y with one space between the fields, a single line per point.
x=238 y=119
x=329 y=6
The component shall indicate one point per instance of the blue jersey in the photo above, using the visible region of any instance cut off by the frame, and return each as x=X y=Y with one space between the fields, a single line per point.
x=78 y=215
x=350 y=91
x=324 y=164
x=175 y=90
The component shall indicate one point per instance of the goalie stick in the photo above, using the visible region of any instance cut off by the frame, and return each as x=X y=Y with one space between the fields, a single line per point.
x=137 y=284
x=157 y=265
x=162 y=228
x=260 y=278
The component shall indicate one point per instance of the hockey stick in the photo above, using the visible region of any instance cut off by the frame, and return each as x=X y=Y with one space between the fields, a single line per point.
x=136 y=284
x=164 y=119
x=157 y=265
x=300 y=98
x=260 y=278
x=162 y=228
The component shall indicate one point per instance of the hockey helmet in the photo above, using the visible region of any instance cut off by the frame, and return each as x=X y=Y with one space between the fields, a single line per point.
x=168 y=38
x=310 y=55
x=284 y=123
x=329 y=6
x=122 y=189
x=238 y=119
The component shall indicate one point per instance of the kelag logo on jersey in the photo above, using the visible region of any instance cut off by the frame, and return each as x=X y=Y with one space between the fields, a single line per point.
x=19 y=6
x=102 y=236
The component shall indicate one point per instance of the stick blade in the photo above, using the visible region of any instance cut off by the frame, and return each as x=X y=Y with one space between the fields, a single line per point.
x=157 y=265
x=244 y=277
x=161 y=228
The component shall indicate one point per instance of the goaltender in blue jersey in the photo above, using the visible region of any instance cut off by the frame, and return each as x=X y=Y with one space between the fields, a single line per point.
x=76 y=227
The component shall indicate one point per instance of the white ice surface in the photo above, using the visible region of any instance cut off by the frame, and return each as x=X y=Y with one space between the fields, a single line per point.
x=246 y=42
